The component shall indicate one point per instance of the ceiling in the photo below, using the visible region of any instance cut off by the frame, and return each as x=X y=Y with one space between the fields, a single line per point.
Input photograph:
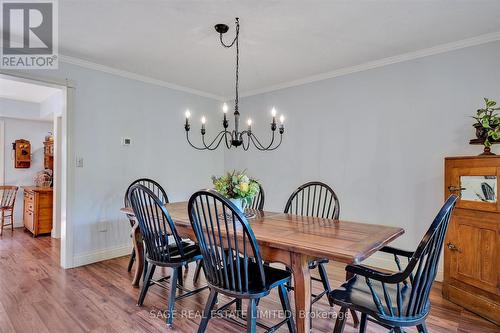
x=280 y=41
x=23 y=91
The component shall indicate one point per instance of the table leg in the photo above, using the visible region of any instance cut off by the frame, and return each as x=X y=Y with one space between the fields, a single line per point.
x=139 y=254
x=302 y=285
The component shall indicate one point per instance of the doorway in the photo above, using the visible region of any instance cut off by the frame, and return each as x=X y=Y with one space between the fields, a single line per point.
x=30 y=107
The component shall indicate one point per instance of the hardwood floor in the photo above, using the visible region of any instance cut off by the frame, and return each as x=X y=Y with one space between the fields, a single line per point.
x=36 y=295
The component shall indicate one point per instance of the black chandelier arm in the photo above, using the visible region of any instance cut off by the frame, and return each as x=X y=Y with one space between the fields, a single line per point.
x=245 y=148
x=219 y=136
x=261 y=147
x=191 y=144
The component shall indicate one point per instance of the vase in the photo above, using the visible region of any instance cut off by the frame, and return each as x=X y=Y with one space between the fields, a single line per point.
x=239 y=203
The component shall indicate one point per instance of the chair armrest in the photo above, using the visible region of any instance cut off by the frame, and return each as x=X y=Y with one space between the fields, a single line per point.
x=399 y=252
x=368 y=272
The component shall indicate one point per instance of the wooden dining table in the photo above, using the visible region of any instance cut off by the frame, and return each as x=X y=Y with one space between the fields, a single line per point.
x=293 y=241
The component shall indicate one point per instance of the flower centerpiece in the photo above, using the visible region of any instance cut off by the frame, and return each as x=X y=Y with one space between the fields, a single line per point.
x=237 y=187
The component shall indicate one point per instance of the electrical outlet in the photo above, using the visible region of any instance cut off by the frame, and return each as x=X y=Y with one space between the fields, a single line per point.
x=103 y=226
x=79 y=162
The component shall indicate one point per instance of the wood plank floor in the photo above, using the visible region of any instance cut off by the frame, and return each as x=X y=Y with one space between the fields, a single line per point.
x=36 y=295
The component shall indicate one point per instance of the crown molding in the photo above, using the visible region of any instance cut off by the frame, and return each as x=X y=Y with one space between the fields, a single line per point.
x=443 y=48
x=135 y=76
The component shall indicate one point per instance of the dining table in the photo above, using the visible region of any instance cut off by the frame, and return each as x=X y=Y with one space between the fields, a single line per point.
x=294 y=241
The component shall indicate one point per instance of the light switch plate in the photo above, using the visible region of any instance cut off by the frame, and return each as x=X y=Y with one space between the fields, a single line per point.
x=79 y=162
x=126 y=141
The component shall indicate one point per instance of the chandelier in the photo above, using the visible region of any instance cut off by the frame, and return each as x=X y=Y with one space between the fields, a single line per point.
x=236 y=137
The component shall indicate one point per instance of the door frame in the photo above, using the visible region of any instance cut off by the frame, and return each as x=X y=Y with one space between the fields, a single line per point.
x=2 y=152
x=63 y=177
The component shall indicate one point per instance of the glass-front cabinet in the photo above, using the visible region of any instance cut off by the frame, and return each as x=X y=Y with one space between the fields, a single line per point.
x=472 y=245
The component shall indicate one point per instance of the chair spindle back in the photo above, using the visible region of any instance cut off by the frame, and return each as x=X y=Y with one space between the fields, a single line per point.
x=258 y=200
x=226 y=241
x=314 y=199
x=157 y=228
x=151 y=185
x=8 y=196
x=419 y=273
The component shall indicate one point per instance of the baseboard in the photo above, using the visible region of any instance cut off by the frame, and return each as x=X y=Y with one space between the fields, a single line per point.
x=105 y=254
x=377 y=260
x=385 y=262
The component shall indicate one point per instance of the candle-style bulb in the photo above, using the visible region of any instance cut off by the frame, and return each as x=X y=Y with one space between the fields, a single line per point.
x=203 y=120
x=282 y=119
x=225 y=108
x=273 y=112
x=249 y=122
x=188 y=114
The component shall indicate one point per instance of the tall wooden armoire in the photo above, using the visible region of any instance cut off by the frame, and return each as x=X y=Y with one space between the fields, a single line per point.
x=472 y=245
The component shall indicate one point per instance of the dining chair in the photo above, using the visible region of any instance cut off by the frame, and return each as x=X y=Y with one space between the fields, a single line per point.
x=400 y=299
x=164 y=246
x=256 y=204
x=258 y=200
x=315 y=199
x=158 y=191
x=232 y=261
x=7 y=201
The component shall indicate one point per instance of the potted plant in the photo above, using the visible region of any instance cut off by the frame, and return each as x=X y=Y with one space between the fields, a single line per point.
x=487 y=124
x=237 y=187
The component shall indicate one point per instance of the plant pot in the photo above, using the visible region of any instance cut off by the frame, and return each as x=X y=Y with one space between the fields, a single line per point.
x=239 y=203
x=481 y=132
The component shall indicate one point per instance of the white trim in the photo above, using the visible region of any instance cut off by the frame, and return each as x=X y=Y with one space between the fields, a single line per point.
x=482 y=39
x=2 y=152
x=67 y=184
x=478 y=40
x=105 y=254
x=29 y=78
x=385 y=262
x=135 y=76
x=56 y=211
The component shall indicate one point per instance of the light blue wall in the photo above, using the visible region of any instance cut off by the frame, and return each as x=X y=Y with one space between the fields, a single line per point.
x=378 y=137
x=106 y=108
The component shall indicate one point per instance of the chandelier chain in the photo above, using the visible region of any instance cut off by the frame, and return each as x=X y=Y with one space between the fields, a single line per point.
x=237 y=41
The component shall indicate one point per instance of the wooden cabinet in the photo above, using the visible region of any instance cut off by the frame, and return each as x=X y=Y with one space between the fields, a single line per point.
x=472 y=245
x=37 y=210
x=48 y=154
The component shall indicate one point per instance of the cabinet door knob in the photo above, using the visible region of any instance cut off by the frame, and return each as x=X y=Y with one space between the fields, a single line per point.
x=452 y=246
x=453 y=189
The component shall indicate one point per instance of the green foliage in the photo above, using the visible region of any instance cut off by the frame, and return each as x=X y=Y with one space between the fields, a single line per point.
x=489 y=119
x=236 y=185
